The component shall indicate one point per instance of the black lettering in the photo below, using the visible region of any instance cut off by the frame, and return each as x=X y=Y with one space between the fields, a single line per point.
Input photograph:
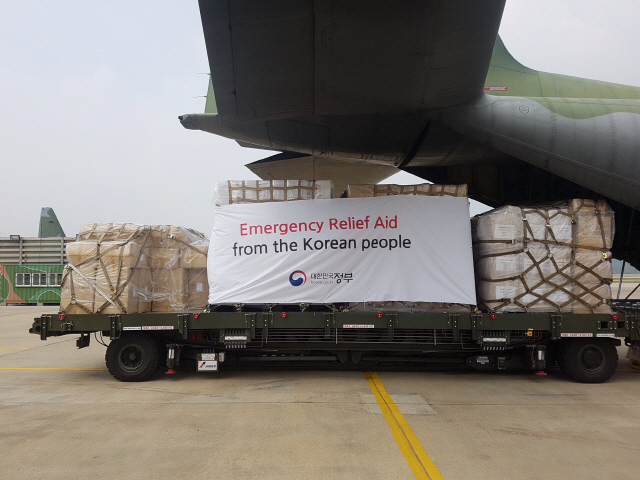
x=307 y=244
x=284 y=246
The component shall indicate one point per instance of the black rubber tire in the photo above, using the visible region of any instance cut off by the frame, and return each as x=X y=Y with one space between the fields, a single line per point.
x=589 y=360
x=132 y=358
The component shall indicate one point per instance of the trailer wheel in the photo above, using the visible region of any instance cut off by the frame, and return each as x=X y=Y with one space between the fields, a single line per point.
x=132 y=358
x=589 y=360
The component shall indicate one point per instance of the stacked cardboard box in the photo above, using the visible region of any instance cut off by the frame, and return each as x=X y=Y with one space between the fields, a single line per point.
x=545 y=258
x=128 y=268
x=262 y=191
x=371 y=190
x=179 y=266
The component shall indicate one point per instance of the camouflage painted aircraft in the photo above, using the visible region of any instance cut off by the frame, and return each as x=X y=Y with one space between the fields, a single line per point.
x=354 y=90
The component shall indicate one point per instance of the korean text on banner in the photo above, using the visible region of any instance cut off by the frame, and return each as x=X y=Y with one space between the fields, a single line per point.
x=395 y=248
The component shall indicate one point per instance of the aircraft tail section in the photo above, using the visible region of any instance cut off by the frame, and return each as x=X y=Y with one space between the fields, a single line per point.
x=49 y=224
x=508 y=77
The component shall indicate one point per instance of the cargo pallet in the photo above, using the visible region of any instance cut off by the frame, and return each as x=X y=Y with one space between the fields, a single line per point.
x=584 y=345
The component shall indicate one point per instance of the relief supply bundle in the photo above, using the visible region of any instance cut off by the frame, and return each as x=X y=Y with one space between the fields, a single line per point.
x=553 y=258
x=342 y=250
x=261 y=191
x=117 y=268
x=382 y=190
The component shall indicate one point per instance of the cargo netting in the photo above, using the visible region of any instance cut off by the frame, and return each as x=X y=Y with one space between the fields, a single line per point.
x=118 y=268
x=382 y=190
x=553 y=258
x=262 y=191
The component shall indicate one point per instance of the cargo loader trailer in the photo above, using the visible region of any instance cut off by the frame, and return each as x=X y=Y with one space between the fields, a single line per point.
x=584 y=345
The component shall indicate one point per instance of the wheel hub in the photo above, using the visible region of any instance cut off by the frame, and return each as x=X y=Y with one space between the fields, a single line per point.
x=131 y=357
x=592 y=358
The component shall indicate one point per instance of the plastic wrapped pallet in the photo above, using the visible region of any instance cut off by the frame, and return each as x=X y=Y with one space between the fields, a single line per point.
x=78 y=292
x=371 y=190
x=545 y=258
x=129 y=268
x=261 y=191
x=170 y=290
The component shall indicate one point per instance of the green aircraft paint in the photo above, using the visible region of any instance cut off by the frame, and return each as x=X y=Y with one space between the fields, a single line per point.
x=49 y=224
x=570 y=97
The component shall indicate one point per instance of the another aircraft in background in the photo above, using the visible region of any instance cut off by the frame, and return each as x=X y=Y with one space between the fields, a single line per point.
x=49 y=224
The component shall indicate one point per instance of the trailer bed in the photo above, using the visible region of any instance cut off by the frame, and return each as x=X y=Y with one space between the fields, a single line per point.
x=479 y=340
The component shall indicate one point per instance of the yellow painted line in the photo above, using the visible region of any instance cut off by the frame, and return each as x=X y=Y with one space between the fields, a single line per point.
x=38 y=368
x=15 y=348
x=414 y=453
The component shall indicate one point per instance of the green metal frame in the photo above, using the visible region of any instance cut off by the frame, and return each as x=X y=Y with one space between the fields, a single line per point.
x=482 y=325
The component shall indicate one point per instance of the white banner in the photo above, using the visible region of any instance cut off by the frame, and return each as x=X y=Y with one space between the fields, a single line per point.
x=394 y=248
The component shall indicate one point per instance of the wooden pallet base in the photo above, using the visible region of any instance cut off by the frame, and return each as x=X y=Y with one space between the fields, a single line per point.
x=634 y=364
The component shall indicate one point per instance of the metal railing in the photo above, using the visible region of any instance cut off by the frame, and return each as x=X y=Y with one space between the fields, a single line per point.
x=18 y=250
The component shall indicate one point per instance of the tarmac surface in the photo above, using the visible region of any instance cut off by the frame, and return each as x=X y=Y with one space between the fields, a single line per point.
x=74 y=421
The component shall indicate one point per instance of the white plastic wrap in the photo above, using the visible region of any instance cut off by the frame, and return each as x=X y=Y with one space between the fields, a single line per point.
x=129 y=268
x=545 y=258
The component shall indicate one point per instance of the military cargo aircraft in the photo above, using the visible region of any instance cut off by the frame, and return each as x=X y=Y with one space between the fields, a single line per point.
x=354 y=90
